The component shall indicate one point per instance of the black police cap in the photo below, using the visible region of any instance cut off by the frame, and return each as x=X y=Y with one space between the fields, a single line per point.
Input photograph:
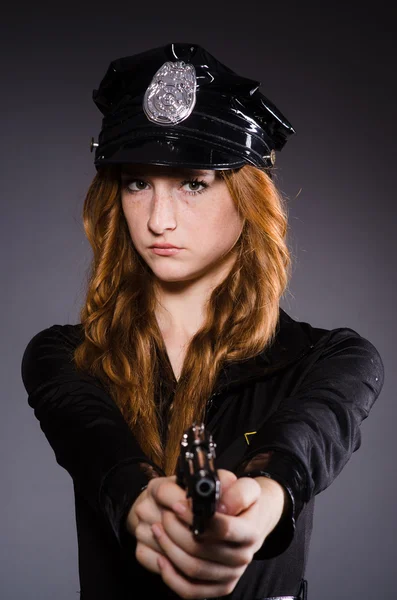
x=177 y=105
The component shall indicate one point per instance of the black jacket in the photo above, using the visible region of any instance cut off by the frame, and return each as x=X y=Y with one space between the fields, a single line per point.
x=297 y=408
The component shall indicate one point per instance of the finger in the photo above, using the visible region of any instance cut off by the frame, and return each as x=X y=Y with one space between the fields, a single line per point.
x=212 y=544
x=191 y=566
x=147 y=557
x=239 y=496
x=147 y=510
x=144 y=535
x=189 y=588
x=166 y=491
x=235 y=532
x=183 y=510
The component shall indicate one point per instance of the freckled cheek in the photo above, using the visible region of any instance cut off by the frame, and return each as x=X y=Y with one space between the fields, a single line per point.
x=223 y=225
x=135 y=224
x=200 y=233
x=134 y=218
x=213 y=228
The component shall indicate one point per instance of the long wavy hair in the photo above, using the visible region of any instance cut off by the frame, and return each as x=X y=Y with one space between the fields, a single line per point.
x=123 y=345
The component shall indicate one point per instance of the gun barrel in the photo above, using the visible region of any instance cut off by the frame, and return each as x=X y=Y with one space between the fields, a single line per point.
x=197 y=474
x=205 y=486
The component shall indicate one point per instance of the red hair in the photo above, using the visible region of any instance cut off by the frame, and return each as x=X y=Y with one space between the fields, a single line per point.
x=123 y=343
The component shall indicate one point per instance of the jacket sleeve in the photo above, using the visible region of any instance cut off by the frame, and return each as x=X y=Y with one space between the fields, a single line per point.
x=85 y=428
x=313 y=433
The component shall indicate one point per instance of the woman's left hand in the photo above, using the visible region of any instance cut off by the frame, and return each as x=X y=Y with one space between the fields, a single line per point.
x=211 y=564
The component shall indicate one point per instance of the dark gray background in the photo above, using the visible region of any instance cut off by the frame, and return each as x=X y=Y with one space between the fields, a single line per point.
x=331 y=70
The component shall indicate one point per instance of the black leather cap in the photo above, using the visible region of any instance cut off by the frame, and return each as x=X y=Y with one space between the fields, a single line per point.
x=177 y=105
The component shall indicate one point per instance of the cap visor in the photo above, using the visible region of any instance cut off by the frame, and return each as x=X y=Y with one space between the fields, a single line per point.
x=172 y=152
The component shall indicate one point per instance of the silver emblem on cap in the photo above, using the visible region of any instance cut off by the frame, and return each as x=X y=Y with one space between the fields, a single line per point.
x=272 y=159
x=171 y=95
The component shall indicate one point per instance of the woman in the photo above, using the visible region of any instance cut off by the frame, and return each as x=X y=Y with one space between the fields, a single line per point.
x=193 y=334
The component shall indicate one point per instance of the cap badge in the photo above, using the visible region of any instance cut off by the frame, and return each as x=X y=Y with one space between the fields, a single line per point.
x=171 y=95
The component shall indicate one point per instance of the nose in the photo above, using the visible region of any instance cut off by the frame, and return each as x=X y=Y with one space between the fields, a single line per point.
x=162 y=209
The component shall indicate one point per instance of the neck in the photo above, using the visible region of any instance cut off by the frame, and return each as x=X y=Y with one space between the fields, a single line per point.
x=181 y=307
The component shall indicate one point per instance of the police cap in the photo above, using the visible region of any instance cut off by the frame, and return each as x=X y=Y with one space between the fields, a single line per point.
x=177 y=105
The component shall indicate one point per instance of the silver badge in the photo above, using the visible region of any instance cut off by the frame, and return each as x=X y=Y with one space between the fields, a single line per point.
x=171 y=95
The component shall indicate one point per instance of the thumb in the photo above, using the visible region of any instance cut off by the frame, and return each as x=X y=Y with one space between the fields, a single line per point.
x=239 y=495
x=226 y=478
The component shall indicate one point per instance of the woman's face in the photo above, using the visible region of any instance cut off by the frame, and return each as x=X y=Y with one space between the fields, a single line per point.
x=190 y=209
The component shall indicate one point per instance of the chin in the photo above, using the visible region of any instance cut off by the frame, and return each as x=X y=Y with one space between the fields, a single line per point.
x=170 y=276
x=174 y=278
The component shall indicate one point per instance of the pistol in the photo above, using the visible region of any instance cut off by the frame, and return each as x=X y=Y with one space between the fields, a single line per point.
x=196 y=473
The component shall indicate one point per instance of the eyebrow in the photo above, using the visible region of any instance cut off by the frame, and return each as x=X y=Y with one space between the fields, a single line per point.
x=173 y=172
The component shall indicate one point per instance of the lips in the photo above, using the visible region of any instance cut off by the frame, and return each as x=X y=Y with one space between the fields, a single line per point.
x=164 y=246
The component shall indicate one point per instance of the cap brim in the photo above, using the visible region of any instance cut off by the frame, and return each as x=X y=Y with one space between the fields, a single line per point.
x=192 y=154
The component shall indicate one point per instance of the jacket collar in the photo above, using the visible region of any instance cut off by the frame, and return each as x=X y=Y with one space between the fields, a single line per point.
x=292 y=341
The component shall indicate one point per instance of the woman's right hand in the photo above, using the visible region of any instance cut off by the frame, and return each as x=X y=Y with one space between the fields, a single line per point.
x=149 y=508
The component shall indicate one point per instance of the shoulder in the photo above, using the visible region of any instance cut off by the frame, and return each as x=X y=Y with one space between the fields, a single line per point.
x=68 y=334
x=49 y=352
x=57 y=339
x=293 y=331
x=340 y=349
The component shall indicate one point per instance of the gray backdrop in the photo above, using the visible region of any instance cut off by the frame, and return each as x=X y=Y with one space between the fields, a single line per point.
x=332 y=72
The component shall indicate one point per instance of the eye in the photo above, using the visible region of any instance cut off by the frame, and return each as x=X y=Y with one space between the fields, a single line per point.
x=194 y=185
x=139 y=183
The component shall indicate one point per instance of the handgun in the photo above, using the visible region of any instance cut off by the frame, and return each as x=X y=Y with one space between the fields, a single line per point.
x=196 y=473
